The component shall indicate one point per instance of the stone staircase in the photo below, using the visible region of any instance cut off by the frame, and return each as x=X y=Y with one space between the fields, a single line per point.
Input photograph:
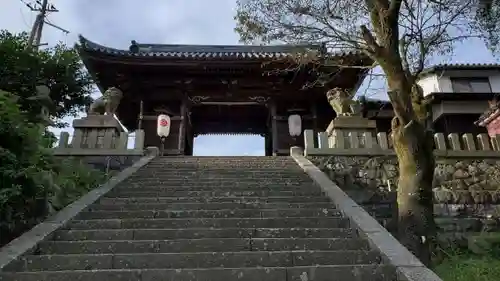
x=207 y=219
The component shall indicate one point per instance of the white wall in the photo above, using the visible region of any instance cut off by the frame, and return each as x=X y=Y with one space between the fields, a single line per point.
x=495 y=83
x=441 y=82
x=429 y=84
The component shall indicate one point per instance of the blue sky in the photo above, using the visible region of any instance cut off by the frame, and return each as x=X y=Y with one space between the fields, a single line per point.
x=116 y=22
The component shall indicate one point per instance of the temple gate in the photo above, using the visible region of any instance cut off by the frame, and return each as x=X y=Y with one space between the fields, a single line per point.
x=219 y=90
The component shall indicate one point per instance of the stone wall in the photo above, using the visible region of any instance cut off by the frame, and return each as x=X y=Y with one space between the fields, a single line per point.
x=466 y=179
x=466 y=191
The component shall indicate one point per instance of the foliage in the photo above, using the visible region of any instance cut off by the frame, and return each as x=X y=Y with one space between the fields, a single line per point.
x=463 y=265
x=32 y=181
x=424 y=27
x=59 y=68
x=485 y=242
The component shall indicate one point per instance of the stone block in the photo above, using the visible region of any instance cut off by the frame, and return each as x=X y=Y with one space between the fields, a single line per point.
x=80 y=275
x=97 y=121
x=187 y=233
x=210 y=206
x=324 y=273
x=226 y=222
x=60 y=262
x=305 y=233
x=351 y=122
x=307 y=244
x=309 y=258
x=202 y=260
x=203 y=245
x=102 y=234
x=240 y=274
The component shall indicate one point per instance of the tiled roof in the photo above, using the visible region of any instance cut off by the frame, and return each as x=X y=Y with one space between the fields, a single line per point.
x=462 y=66
x=494 y=106
x=204 y=51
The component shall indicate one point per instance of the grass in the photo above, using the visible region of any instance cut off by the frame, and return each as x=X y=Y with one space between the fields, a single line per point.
x=469 y=267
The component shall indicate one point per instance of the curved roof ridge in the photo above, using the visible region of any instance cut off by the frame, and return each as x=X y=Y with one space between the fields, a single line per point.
x=206 y=52
x=203 y=48
x=86 y=43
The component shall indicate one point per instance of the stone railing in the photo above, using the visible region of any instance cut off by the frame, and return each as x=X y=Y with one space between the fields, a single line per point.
x=94 y=144
x=354 y=143
x=466 y=178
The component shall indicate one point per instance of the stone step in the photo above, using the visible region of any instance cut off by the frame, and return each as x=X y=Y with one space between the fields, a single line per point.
x=236 y=199
x=220 y=172
x=192 y=260
x=208 y=206
x=146 y=170
x=222 y=160
x=304 y=222
x=272 y=167
x=225 y=158
x=235 y=166
x=221 y=183
x=299 y=273
x=215 y=163
x=197 y=233
x=228 y=213
x=224 y=186
x=209 y=160
x=167 y=192
x=221 y=179
x=201 y=245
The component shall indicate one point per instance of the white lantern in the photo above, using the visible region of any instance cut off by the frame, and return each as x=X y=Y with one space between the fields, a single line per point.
x=163 y=126
x=294 y=125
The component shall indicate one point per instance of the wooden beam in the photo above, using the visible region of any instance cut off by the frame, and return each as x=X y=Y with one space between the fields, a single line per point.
x=155 y=117
x=182 y=127
x=274 y=127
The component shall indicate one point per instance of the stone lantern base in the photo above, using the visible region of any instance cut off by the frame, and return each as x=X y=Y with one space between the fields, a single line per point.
x=98 y=132
x=344 y=127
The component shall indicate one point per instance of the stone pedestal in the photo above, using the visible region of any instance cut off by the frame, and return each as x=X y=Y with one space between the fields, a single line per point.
x=98 y=132
x=349 y=131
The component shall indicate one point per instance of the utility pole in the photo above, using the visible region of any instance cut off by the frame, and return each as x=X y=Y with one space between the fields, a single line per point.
x=43 y=8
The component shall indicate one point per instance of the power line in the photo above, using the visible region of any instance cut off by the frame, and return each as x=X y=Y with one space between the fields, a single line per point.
x=37 y=6
x=43 y=7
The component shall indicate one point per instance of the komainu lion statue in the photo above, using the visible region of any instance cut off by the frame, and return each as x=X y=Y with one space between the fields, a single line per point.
x=107 y=104
x=341 y=101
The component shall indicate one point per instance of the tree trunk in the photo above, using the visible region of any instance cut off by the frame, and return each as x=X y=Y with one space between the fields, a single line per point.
x=413 y=145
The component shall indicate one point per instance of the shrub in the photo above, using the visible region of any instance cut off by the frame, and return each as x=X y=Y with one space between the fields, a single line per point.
x=33 y=183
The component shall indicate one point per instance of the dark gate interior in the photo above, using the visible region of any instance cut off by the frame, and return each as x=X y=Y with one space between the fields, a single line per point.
x=230 y=119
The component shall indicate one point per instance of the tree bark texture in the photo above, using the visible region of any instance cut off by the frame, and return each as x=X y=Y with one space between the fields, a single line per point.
x=414 y=147
x=416 y=226
x=413 y=143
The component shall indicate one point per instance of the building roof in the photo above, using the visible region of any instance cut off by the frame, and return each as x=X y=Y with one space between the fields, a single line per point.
x=461 y=66
x=206 y=51
x=490 y=113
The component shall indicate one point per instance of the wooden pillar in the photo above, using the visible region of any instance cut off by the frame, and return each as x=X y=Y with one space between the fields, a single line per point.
x=314 y=112
x=274 y=128
x=182 y=129
x=141 y=115
x=268 y=144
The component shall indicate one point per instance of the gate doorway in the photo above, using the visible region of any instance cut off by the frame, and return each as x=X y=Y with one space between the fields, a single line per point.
x=230 y=129
x=229 y=145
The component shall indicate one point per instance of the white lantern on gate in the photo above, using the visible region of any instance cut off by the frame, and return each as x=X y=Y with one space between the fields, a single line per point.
x=163 y=126
x=294 y=125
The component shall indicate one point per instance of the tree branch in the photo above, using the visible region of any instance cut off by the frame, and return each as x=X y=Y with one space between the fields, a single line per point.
x=371 y=42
